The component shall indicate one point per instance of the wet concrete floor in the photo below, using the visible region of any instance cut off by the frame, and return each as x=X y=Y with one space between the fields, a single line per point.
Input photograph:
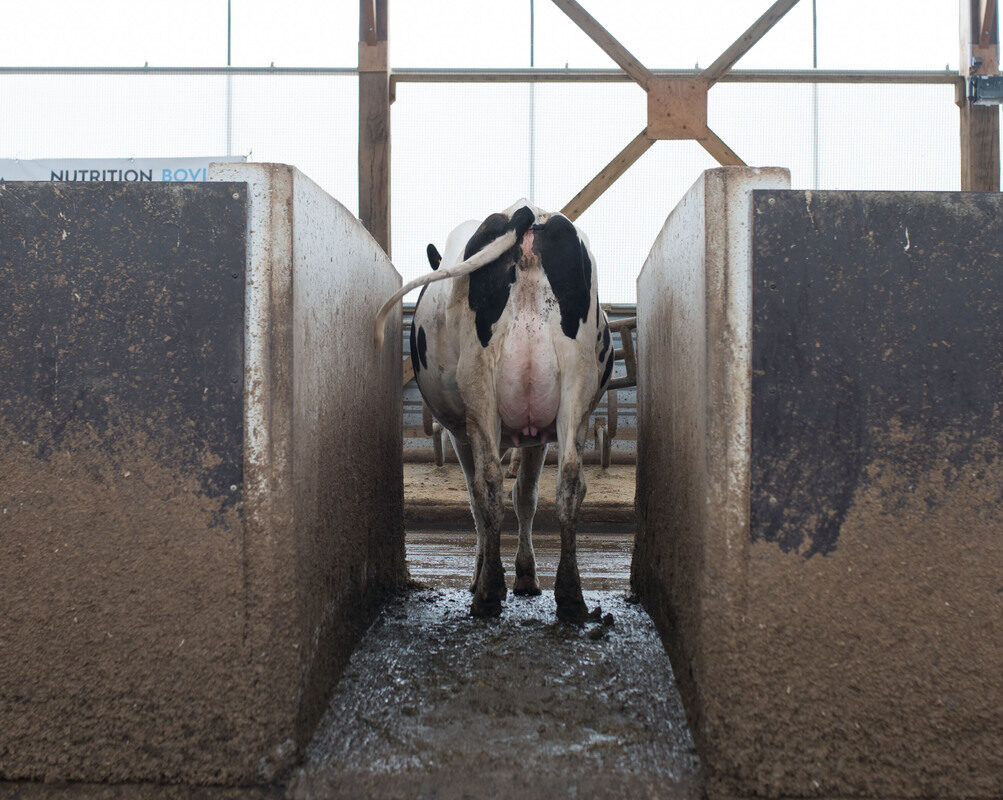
x=446 y=558
x=437 y=704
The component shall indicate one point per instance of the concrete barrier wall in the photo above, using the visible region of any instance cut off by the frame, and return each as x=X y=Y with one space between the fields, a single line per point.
x=187 y=552
x=820 y=485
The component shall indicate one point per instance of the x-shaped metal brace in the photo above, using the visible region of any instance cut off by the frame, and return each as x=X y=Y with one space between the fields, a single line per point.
x=677 y=107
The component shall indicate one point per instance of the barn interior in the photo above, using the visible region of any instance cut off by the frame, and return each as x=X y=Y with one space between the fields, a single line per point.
x=234 y=559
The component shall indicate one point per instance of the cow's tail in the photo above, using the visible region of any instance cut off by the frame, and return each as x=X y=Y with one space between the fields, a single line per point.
x=483 y=256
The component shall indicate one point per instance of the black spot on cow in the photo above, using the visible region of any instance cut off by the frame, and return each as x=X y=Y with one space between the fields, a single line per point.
x=521 y=221
x=568 y=269
x=605 y=343
x=490 y=285
x=415 y=366
x=414 y=330
x=422 y=346
x=434 y=259
x=607 y=371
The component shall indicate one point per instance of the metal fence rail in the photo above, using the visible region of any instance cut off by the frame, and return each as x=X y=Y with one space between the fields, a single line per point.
x=534 y=75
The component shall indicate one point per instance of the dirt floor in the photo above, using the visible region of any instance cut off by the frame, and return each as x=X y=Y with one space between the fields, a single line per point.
x=436 y=704
x=437 y=497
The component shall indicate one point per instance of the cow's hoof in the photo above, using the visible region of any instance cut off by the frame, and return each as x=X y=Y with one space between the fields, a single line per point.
x=526 y=586
x=485 y=608
x=574 y=612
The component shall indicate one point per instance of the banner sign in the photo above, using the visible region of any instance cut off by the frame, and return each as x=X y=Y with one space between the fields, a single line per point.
x=110 y=169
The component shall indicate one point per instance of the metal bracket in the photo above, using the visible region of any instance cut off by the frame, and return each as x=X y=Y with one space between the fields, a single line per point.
x=985 y=90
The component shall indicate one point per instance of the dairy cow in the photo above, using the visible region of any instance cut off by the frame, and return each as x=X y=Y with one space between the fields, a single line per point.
x=510 y=348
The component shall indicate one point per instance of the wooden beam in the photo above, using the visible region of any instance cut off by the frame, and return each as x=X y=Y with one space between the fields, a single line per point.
x=367 y=22
x=979 y=126
x=725 y=156
x=979 y=37
x=986 y=48
x=372 y=21
x=986 y=45
x=745 y=42
x=987 y=29
x=602 y=37
x=374 y=122
x=980 y=148
x=607 y=175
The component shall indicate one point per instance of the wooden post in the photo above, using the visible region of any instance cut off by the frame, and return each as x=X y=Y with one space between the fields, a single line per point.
x=980 y=125
x=745 y=42
x=374 y=121
x=602 y=37
x=724 y=155
x=608 y=175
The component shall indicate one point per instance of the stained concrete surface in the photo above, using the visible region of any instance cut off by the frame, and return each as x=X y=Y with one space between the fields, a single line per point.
x=435 y=703
x=28 y=790
x=120 y=480
x=834 y=356
x=171 y=605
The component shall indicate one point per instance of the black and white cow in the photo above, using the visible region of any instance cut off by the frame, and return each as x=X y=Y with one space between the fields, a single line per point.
x=514 y=350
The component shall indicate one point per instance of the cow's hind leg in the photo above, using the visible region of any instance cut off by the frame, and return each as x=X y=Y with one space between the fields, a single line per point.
x=570 y=493
x=486 y=491
x=524 y=496
x=466 y=458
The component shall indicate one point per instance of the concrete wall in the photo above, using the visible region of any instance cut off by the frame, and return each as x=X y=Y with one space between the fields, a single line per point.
x=185 y=561
x=819 y=485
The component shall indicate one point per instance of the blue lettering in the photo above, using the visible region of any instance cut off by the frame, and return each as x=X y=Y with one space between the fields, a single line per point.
x=166 y=175
x=180 y=174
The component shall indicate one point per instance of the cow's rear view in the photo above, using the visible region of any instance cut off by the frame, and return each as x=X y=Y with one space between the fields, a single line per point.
x=510 y=348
